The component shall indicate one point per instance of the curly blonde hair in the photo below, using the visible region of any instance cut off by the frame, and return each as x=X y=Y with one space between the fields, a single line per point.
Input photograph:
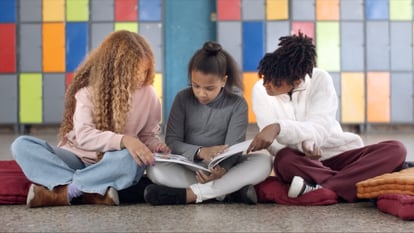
x=122 y=63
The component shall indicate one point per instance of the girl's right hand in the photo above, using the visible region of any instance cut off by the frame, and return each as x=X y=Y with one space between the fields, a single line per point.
x=264 y=138
x=138 y=150
x=216 y=172
x=208 y=153
x=311 y=150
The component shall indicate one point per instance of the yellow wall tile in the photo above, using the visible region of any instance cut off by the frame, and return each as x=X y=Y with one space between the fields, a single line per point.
x=158 y=87
x=352 y=98
x=277 y=9
x=53 y=10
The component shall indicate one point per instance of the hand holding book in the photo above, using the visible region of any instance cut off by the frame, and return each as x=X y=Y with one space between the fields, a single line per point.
x=208 y=153
x=231 y=151
x=214 y=173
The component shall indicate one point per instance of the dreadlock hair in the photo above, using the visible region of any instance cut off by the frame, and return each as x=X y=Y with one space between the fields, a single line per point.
x=295 y=57
x=122 y=63
x=213 y=59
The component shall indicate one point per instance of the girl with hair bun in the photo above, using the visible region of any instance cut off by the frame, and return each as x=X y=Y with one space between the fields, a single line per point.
x=204 y=120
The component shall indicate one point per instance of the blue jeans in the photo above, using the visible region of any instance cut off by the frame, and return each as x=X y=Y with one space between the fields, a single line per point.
x=51 y=166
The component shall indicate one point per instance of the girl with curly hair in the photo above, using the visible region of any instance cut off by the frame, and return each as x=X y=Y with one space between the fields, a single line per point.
x=109 y=131
x=295 y=105
x=204 y=120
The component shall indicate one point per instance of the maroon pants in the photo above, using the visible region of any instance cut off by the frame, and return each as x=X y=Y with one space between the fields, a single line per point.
x=341 y=172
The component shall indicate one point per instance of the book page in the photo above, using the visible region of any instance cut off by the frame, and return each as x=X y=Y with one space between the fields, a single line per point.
x=232 y=150
x=173 y=158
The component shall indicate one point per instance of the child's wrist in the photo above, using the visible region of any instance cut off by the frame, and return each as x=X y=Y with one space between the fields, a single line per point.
x=121 y=143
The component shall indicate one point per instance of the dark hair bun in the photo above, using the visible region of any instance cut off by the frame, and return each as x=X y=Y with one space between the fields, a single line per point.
x=212 y=47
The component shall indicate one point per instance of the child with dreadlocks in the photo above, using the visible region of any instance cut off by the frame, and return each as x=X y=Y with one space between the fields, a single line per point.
x=295 y=105
x=109 y=131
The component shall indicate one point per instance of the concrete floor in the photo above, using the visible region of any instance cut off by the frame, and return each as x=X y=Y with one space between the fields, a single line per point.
x=356 y=217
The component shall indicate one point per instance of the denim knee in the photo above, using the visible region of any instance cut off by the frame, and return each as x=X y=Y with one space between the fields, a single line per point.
x=123 y=159
x=19 y=144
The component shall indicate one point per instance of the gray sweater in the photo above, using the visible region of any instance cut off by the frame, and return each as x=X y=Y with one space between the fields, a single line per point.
x=192 y=125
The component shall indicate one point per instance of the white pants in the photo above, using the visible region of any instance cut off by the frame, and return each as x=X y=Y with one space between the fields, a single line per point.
x=251 y=169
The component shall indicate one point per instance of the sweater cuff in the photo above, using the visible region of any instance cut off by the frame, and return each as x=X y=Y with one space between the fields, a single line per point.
x=116 y=142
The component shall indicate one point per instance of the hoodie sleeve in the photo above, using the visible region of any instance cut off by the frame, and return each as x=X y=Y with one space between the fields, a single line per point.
x=263 y=106
x=318 y=120
x=87 y=137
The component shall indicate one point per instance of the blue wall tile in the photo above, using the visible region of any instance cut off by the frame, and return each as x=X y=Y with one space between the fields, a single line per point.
x=253 y=44
x=8 y=11
x=149 y=10
x=76 y=44
x=376 y=9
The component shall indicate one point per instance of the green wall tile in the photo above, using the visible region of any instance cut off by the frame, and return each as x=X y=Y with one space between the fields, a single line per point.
x=30 y=98
x=328 y=45
x=401 y=9
x=77 y=10
x=132 y=27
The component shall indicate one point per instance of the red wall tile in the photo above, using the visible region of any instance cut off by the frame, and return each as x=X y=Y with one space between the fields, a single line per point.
x=126 y=10
x=228 y=9
x=8 y=48
x=69 y=77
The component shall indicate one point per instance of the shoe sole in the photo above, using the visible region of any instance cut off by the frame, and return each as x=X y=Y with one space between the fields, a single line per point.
x=251 y=195
x=113 y=194
x=295 y=187
x=30 y=195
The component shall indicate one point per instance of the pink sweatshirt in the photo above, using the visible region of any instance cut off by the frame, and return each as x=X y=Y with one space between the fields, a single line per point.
x=143 y=122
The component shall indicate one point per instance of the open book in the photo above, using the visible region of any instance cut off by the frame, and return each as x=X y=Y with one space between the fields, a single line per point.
x=231 y=151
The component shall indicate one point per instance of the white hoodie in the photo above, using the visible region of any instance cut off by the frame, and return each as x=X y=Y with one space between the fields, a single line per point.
x=309 y=114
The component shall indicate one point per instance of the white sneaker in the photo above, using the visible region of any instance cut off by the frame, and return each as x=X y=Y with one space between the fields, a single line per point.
x=299 y=187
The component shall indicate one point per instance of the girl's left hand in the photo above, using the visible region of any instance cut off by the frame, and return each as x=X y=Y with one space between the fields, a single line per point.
x=216 y=172
x=163 y=148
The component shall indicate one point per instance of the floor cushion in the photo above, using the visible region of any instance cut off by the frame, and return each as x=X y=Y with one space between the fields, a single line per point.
x=401 y=182
x=275 y=191
x=13 y=183
x=400 y=205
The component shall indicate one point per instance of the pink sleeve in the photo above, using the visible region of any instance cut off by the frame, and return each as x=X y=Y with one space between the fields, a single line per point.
x=87 y=136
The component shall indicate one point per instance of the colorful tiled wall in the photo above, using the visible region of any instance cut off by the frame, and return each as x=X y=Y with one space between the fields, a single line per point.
x=43 y=41
x=366 y=45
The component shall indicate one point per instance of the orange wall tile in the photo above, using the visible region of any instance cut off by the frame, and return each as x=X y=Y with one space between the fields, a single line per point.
x=249 y=79
x=53 y=47
x=378 y=97
x=327 y=9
